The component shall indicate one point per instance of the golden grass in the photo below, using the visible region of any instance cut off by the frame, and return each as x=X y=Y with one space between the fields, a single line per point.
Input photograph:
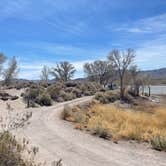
x=118 y=123
x=129 y=124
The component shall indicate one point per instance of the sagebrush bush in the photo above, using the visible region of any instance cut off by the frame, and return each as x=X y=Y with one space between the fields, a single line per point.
x=71 y=84
x=44 y=99
x=66 y=113
x=101 y=132
x=71 y=90
x=73 y=116
x=66 y=96
x=54 y=90
x=79 y=117
x=75 y=91
x=5 y=96
x=107 y=97
x=58 y=92
x=159 y=143
x=88 y=88
x=31 y=96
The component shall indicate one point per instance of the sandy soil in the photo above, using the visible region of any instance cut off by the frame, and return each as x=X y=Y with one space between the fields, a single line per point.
x=57 y=139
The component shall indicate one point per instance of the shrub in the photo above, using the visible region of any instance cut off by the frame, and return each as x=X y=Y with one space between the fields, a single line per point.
x=107 y=97
x=75 y=91
x=5 y=96
x=10 y=151
x=79 y=117
x=66 y=96
x=14 y=97
x=66 y=113
x=54 y=90
x=60 y=99
x=101 y=97
x=44 y=100
x=20 y=85
x=101 y=132
x=71 y=84
x=31 y=95
x=159 y=143
x=88 y=88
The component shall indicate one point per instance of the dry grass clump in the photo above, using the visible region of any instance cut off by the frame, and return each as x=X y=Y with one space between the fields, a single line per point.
x=73 y=115
x=10 y=151
x=129 y=124
x=110 y=121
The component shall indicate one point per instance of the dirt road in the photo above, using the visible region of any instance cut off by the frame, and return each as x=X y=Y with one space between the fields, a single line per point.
x=57 y=139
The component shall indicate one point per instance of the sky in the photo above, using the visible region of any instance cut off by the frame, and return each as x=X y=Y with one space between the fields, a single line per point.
x=45 y=32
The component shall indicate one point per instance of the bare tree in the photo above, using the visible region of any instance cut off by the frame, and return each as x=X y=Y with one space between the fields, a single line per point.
x=45 y=74
x=2 y=60
x=63 y=71
x=136 y=80
x=145 y=82
x=122 y=61
x=99 y=71
x=11 y=72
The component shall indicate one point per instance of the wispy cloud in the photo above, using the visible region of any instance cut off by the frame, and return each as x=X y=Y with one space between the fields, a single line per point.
x=12 y=8
x=67 y=50
x=79 y=31
x=151 y=54
x=60 y=15
x=156 y=24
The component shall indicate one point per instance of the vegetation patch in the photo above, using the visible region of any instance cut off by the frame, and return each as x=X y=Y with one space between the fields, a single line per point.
x=107 y=96
x=39 y=94
x=44 y=99
x=109 y=121
x=10 y=151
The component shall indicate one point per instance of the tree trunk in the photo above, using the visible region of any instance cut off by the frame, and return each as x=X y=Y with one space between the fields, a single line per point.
x=122 y=89
x=143 y=89
x=149 y=91
x=137 y=90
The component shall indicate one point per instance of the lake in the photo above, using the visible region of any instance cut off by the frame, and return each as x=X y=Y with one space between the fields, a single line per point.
x=157 y=89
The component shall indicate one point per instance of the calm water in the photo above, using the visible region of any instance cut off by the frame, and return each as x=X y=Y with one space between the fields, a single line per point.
x=157 y=90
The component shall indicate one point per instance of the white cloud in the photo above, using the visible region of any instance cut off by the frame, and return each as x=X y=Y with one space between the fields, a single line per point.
x=66 y=50
x=156 y=24
x=152 y=54
x=32 y=70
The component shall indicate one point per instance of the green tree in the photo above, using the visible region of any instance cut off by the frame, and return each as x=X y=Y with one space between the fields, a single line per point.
x=63 y=71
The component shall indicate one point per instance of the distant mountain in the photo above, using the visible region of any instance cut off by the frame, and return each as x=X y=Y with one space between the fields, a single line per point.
x=157 y=74
x=158 y=77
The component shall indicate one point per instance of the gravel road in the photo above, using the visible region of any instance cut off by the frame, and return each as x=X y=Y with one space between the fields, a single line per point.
x=57 y=139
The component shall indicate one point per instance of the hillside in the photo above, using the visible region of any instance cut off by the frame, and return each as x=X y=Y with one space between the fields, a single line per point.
x=158 y=75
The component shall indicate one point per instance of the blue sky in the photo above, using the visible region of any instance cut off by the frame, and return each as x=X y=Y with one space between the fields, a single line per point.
x=44 y=32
